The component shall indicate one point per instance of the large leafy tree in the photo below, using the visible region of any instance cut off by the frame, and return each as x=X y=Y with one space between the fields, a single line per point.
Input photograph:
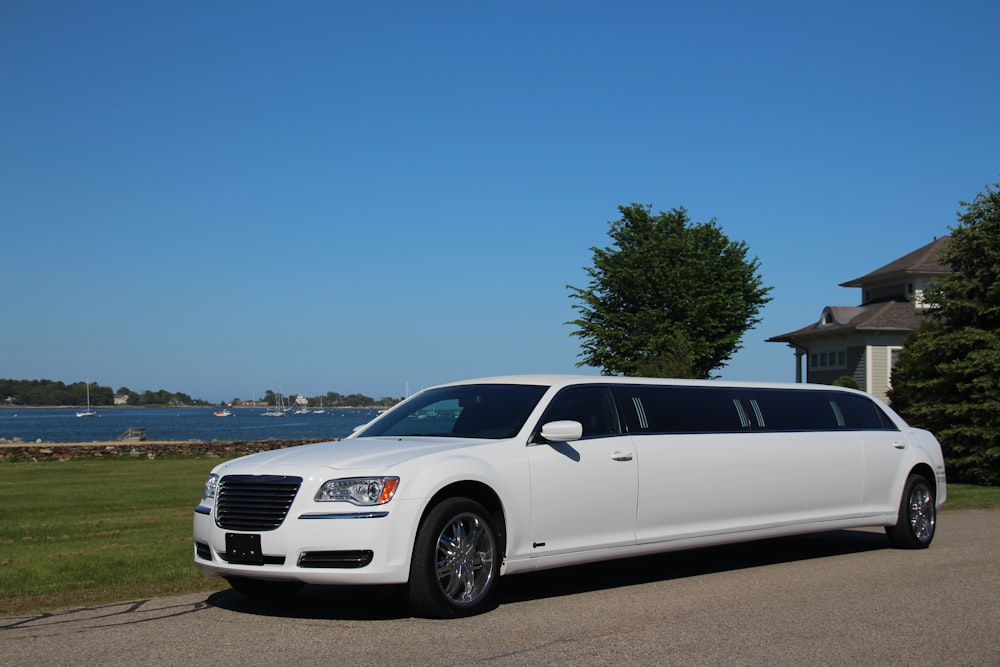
x=947 y=378
x=669 y=298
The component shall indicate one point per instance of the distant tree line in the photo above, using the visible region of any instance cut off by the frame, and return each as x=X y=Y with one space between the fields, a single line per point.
x=152 y=398
x=331 y=399
x=54 y=392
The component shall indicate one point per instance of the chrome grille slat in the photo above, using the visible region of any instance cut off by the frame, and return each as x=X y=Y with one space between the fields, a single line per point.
x=254 y=502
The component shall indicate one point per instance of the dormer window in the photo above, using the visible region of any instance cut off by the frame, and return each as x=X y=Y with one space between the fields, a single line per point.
x=827 y=318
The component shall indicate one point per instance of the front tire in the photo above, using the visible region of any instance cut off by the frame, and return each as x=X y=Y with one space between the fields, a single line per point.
x=917 y=519
x=456 y=561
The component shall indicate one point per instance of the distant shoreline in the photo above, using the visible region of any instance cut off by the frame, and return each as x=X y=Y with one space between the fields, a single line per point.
x=108 y=407
x=11 y=452
x=184 y=407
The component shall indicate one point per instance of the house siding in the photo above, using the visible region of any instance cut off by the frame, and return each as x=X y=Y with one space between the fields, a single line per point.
x=824 y=377
x=878 y=367
x=857 y=363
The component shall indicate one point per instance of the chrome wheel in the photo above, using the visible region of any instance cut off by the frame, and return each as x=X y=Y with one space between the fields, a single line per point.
x=917 y=518
x=456 y=560
x=465 y=551
x=920 y=510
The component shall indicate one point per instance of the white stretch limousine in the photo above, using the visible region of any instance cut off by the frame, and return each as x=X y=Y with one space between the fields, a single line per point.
x=465 y=482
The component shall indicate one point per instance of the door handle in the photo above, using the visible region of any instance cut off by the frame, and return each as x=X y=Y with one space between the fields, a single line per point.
x=899 y=445
x=622 y=456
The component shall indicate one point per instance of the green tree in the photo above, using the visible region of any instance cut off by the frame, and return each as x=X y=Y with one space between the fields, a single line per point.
x=669 y=298
x=358 y=400
x=947 y=377
x=846 y=381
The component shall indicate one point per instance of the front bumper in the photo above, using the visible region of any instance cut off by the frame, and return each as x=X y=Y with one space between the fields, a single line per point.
x=318 y=545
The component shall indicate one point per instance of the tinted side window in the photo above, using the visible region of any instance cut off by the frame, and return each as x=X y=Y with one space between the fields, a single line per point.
x=862 y=414
x=591 y=406
x=793 y=410
x=650 y=409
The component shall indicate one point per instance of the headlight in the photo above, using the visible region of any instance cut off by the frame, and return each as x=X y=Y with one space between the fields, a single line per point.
x=211 y=487
x=358 y=490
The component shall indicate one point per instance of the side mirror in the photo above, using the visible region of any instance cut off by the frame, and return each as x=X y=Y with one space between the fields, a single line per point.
x=562 y=431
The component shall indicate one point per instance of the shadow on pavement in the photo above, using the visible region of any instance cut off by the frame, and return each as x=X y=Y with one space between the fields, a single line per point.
x=357 y=603
x=688 y=563
x=389 y=602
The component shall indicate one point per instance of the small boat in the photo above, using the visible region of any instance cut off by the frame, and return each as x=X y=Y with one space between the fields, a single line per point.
x=88 y=412
x=225 y=412
x=278 y=409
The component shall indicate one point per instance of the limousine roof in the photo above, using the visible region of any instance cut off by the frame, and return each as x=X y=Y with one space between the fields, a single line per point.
x=562 y=380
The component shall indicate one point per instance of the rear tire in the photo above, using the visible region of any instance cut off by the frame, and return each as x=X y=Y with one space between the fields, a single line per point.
x=264 y=589
x=456 y=561
x=917 y=519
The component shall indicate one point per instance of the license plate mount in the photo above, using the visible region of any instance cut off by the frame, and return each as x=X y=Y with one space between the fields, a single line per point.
x=244 y=549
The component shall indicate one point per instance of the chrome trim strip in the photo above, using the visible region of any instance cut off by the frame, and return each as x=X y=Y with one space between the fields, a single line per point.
x=352 y=515
x=201 y=509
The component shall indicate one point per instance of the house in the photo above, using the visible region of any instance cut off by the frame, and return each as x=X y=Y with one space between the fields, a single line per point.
x=863 y=342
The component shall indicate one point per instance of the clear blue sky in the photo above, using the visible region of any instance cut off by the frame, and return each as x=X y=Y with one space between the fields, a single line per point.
x=224 y=197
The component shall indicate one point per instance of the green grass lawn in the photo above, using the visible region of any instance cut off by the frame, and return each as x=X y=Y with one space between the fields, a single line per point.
x=98 y=530
x=92 y=531
x=969 y=497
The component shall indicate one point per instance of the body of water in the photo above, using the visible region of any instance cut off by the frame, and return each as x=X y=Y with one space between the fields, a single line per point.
x=62 y=424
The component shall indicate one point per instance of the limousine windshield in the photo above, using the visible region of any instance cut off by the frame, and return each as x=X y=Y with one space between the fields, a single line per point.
x=466 y=411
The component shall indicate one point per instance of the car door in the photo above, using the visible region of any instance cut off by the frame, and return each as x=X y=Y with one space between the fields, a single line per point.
x=583 y=493
x=886 y=452
x=720 y=460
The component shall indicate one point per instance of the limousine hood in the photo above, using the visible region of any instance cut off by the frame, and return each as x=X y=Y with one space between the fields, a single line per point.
x=350 y=454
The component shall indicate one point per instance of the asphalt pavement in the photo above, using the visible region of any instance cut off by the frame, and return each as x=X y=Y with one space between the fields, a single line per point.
x=838 y=598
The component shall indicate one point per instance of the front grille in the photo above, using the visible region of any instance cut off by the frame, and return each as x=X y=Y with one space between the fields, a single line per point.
x=254 y=502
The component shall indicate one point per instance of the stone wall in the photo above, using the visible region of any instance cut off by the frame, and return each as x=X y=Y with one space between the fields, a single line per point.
x=40 y=451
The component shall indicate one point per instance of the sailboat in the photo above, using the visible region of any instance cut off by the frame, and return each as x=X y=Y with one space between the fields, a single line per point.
x=88 y=412
x=304 y=410
x=279 y=407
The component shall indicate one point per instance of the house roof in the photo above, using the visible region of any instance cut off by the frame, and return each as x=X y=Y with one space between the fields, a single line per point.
x=926 y=259
x=892 y=315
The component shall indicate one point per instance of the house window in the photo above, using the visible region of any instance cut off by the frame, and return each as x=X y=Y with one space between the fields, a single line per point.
x=825 y=360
